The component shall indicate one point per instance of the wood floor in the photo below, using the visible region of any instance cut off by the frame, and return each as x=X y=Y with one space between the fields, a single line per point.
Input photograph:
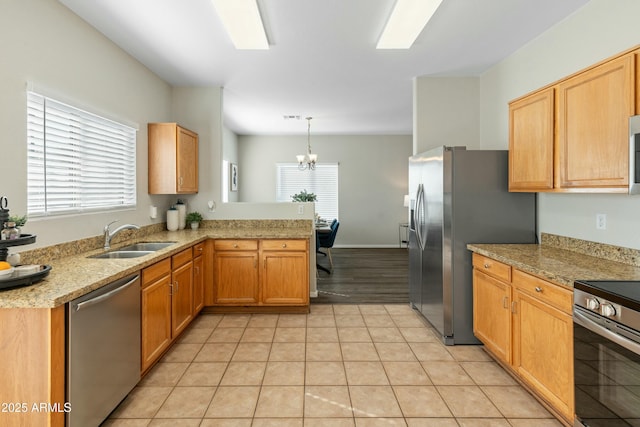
x=364 y=276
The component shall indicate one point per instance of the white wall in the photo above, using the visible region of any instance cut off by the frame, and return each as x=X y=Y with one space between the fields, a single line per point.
x=373 y=178
x=230 y=154
x=46 y=44
x=446 y=112
x=598 y=30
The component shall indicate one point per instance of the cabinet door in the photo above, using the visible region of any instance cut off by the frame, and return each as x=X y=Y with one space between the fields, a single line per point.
x=236 y=278
x=181 y=298
x=531 y=141
x=198 y=284
x=156 y=319
x=593 y=126
x=543 y=350
x=187 y=161
x=492 y=314
x=285 y=279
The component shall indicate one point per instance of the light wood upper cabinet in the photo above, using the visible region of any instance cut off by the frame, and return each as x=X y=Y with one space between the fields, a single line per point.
x=593 y=125
x=572 y=136
x=173 y=159
x=531 y=140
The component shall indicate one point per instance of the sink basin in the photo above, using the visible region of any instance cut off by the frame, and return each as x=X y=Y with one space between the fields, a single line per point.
x=122 y=254
x=146 y=246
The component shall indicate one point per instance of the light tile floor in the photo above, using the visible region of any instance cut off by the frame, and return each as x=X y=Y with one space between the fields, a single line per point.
x=340 y=365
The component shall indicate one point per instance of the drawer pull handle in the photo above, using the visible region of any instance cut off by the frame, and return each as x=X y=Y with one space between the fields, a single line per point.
x=538 y=289
x=513 y=307
x=505 y=302
x=487 y=266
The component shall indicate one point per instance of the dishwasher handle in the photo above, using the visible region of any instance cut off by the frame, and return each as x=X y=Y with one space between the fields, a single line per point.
x=108 y=295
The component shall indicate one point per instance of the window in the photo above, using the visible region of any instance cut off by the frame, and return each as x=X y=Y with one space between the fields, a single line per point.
x=323 y=181
x=77 y=161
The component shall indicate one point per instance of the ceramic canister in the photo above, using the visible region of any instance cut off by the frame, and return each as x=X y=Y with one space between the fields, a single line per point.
x=173 y=220
x=182 y=215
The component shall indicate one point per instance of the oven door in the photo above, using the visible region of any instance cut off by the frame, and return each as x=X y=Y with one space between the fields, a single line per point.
x=606 y=372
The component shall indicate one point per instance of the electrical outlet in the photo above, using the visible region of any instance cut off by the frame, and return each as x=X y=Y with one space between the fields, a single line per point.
x=601 y=221
x=300 y=209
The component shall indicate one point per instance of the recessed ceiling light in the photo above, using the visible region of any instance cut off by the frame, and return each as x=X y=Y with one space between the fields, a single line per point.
x=291 y=117
x=241 y=19
x=407 y=20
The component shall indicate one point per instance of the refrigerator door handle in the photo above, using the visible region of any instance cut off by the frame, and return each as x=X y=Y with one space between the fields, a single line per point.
x=418 y=216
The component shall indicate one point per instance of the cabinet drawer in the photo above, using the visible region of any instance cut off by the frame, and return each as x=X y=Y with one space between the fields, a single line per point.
x=236 y=245
x=155 y=271
x=544 y=291
x=181 y=258
x=492 y=267
x=198 y=249
x=284 y=245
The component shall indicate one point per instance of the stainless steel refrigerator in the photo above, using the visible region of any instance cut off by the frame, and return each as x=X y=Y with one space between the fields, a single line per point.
x=459 y=196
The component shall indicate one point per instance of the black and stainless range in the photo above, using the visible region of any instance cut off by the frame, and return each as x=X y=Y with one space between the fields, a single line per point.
x=606 y=319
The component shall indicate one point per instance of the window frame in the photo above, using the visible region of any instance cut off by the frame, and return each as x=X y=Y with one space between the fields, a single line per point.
x=77 y=161
x=330 y=193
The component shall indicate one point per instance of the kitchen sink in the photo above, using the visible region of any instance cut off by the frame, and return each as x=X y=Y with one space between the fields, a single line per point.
x=134 y=251
x=146 y=246
x=121 y=254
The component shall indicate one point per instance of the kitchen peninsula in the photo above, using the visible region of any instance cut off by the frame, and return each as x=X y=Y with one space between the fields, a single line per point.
x=32 y=345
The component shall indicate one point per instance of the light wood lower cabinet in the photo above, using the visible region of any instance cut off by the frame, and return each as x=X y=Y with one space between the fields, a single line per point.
x=156 y=311
x=181 y=291
x=168 y=305
x=236 y=272
x=285 y=277
x=198 y=277
x=543 y=339
x=267 y=272
x=526 y=323
x=492 y=327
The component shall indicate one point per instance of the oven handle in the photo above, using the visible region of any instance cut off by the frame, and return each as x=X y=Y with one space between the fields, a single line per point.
x=584 y=321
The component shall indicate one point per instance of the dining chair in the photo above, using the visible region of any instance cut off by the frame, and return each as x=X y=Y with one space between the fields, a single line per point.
x=327 y=240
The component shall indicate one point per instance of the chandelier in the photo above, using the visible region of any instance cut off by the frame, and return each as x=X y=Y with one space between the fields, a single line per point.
x=307 y=161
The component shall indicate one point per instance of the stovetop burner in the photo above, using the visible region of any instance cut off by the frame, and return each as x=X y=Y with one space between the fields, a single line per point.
x=623 y=292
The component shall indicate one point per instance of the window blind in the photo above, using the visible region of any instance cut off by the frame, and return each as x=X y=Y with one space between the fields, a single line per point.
x=323 y=181
x=77 y=161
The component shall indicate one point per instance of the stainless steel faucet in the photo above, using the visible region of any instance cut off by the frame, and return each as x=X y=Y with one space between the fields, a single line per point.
x=108 y=235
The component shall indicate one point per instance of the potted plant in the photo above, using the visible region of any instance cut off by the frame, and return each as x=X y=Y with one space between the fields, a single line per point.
x=303 y=196
x=19 y=220
x=194 y=218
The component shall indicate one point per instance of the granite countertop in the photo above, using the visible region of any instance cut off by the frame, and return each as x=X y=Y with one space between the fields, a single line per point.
x=561 y=265
x=75 y=275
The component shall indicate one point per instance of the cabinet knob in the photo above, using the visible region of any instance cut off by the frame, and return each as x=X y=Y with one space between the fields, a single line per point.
x=200 y=249
x=538 y=289
x=487 y=266
x=235 y=245
x=284 y=245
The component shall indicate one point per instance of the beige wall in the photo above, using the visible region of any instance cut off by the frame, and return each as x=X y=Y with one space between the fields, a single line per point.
x=372 y=179
x=598 y=30
x=446 y=112
x=46 y=44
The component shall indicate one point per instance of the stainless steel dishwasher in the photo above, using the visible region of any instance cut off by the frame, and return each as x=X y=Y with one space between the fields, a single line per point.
x=103 y=350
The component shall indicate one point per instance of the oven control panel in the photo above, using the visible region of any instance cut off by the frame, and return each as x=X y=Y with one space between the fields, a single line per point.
x=597 y=305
